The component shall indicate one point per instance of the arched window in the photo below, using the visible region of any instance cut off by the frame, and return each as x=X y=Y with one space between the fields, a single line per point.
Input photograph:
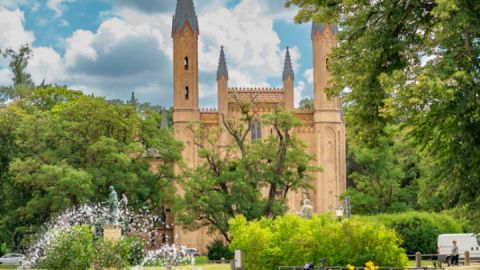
x=256 y=130
x=187 y=92
x=185 y=63
x=326 y=63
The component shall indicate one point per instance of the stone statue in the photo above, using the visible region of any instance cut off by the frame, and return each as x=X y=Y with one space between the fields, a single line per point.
x=113 y=212
x=306 y=211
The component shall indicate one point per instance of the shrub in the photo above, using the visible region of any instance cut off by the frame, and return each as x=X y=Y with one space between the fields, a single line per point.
x=131 y=249
x=218 y=250
x=71 y=249
x=290 y=240
x=418 y=230
x=109 y=256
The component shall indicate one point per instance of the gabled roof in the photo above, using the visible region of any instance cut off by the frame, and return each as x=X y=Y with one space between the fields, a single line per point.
x=222 y=65
x=185 y=13
x=318 y=27
x=287 y=67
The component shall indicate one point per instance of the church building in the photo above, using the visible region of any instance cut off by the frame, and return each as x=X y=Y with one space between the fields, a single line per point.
x=323 y=129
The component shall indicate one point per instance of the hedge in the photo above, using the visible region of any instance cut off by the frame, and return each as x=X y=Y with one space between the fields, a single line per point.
x=290 y=240
x=418 y=230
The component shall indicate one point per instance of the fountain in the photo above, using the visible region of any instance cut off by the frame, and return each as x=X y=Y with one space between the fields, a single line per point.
x=114 y=217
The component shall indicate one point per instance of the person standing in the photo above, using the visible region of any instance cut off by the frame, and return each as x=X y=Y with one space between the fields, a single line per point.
x=454 y=254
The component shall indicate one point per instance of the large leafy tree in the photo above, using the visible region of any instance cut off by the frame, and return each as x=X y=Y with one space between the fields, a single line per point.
x=248 y=178
x=416 y=63
x=65 y=149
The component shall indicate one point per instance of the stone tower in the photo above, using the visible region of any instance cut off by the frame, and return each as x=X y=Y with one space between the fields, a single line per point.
x=329 y=127
x=185 y=33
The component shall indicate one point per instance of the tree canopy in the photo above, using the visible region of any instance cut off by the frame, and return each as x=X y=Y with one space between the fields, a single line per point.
x=416 y=64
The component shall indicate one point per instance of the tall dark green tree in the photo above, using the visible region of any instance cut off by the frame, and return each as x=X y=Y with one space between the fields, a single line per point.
x=415 y=63
x=65 y=149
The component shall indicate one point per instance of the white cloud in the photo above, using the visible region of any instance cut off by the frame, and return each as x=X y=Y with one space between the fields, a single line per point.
x=5 y=76
x=132 y=50
x=46 y=64
x=12 y=4
x=56 y=5
x=299 y=92
x=13 y=34
x=308 y=75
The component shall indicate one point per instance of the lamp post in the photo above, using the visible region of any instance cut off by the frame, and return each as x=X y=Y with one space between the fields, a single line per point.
x=339 y=212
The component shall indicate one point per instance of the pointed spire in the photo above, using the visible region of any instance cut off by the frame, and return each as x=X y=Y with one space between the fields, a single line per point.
x=133 y=100
x=287 y=67
x=164 y=123
x=185 y=13
x=318 y=27
x=222 y=65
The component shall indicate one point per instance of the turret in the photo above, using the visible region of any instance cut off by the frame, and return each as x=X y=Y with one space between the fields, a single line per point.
x=222 y=84
x=288 y=81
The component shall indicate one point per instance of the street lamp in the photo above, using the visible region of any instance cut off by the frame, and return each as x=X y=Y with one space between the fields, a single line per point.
x=339 y=212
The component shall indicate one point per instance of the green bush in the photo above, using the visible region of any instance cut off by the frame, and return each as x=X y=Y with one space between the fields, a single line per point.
x=131 y=249
x=109 y=256
x=290 y=240
x=71 y=249
x=418 y=230
x=218 y=250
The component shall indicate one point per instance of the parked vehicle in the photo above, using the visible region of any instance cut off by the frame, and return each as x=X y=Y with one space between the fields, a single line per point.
x=466 y=242
x=12 y=259
x=192 y=251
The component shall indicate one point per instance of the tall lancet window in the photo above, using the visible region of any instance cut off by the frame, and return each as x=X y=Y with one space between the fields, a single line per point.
x=256 y=130
x=187 y=93
x=185 y=63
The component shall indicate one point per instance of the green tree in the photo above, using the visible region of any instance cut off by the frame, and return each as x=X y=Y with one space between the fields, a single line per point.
x=65 y=149
x=414 y=63
x=230 y=180
x=22 y=82
x=384 y=178
x=306 y=104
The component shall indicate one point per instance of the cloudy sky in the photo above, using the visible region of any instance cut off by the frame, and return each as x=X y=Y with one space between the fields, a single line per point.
x=113 y=47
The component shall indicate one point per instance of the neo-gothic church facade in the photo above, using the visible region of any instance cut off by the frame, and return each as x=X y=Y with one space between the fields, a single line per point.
x=323 y=129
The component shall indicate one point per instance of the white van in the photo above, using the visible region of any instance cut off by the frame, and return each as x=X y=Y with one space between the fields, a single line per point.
x=466 y=242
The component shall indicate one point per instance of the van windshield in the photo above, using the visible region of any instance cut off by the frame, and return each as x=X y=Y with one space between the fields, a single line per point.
x=478 y=240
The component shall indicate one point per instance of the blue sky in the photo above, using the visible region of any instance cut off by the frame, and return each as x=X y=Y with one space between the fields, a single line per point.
x=113 y=47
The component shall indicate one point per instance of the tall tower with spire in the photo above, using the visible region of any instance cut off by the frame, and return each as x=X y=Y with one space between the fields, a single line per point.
x=329 y=126
x=288 y=81
x=185 y=33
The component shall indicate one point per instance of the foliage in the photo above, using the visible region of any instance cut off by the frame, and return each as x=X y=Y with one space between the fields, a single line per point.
x=217 y=250
x=108 y=255
x=72 y=249
x=306 y=104
x=414 y=63
x=384 y=177
x=419 y=230
x=131 y=249
x=230 y=180
x=290 y=240
x=18 y=64
x=61 y=149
